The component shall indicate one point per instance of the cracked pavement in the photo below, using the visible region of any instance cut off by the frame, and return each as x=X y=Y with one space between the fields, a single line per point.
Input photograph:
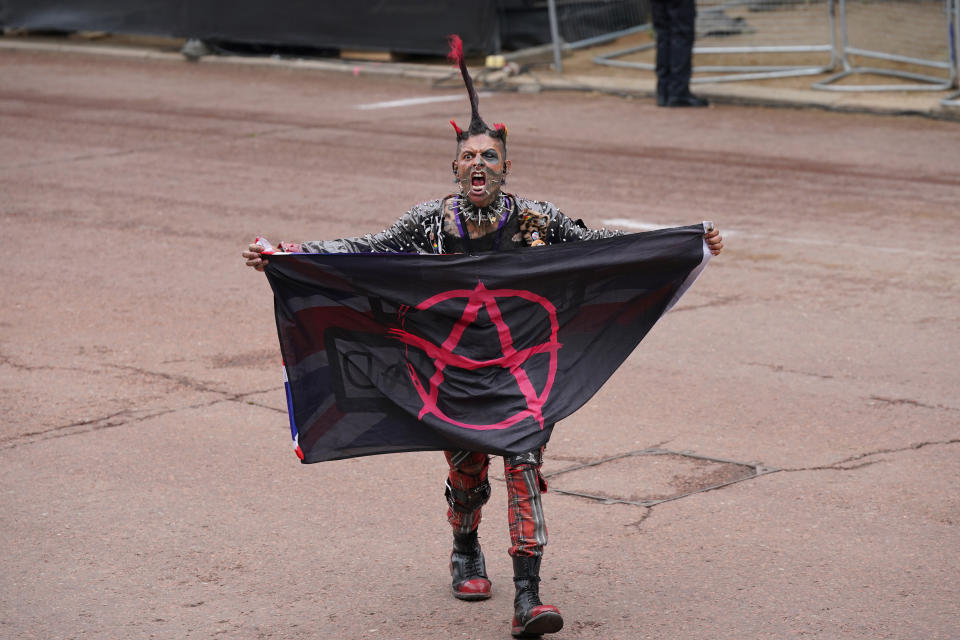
x=149 y=488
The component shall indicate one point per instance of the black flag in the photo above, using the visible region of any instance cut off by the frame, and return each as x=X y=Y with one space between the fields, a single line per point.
x=405 y=352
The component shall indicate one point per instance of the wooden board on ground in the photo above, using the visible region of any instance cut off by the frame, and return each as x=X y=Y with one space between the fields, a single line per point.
x=368 y=55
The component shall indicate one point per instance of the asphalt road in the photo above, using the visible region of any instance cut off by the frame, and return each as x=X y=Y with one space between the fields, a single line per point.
x=148 y=488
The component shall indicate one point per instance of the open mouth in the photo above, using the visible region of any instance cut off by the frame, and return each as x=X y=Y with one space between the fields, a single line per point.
x=478 y=179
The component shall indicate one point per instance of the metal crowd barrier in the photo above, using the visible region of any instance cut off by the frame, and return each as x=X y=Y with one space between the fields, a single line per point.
x=954 y=100
x=799 y=30
x=575 y=24
x=904 y=33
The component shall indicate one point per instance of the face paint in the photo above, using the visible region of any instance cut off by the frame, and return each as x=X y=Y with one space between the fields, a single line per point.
x=480 y=168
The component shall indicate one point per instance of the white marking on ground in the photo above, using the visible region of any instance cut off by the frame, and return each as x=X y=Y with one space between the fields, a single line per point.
x=626 y=223
x=409 y=102
x=634 y=224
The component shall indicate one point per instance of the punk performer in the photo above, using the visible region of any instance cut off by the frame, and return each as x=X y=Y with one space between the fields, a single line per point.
x=480 y=217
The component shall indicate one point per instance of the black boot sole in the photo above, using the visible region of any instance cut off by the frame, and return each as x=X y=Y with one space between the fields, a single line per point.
x=470 y=596
x=546 y=622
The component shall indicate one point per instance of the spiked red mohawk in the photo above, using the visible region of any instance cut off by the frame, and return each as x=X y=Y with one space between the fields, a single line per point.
x=455 y=55
x=477 y=125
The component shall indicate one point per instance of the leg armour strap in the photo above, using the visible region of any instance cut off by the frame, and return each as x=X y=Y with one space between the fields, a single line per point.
x=534 y=458
x=467 y=500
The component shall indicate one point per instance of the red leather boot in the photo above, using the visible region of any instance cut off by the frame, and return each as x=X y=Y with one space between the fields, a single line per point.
x=469 y=572
x=531 y=617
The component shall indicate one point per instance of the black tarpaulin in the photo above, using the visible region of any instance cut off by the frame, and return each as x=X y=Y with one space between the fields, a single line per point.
x=404 y=26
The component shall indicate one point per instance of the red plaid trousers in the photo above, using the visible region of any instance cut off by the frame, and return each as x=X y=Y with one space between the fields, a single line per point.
x=525 y=483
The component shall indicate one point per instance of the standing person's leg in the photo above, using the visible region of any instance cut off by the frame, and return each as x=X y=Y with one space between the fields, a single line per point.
x=528 y=535
x=661 y=25
x=468 y=489
x=683 y=19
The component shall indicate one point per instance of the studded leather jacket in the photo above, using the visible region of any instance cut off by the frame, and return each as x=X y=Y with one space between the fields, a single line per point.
x=424 y=229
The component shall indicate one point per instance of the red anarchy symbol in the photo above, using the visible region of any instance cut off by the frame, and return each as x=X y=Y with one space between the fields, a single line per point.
x=512 y=359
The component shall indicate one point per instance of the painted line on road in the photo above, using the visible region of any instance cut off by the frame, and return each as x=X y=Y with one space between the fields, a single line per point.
x=626 y=223
x=634 y=224
x=409 y=102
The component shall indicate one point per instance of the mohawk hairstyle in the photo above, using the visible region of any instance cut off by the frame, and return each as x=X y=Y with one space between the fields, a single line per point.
x=477 y=125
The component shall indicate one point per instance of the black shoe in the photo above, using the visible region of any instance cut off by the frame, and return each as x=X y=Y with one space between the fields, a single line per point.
x=469 y=572
x=686 y=100
x=531 y=618
x=661 y=92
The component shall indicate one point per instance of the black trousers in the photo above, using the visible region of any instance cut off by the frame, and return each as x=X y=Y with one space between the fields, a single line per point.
x=674 y=22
